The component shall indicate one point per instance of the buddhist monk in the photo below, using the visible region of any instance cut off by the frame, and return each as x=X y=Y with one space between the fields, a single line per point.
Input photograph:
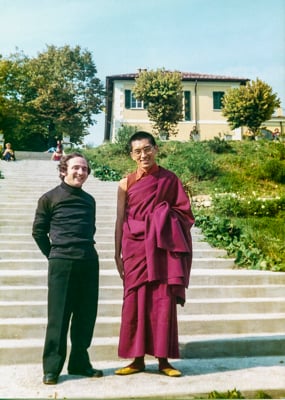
x=153 y=254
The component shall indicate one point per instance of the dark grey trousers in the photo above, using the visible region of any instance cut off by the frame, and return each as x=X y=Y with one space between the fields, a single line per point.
x=72 y=299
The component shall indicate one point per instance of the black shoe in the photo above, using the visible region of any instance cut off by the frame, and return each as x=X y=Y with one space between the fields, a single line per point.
x=50 y=379
x=90 y=372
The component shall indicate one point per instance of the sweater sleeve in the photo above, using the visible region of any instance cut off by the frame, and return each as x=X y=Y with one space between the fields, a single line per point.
x=41 y=226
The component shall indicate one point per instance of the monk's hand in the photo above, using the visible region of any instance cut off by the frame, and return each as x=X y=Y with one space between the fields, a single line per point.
x=120 y=266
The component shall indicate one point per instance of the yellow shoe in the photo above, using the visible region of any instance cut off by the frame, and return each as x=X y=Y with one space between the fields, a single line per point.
x=174 y=373
x=128 y=371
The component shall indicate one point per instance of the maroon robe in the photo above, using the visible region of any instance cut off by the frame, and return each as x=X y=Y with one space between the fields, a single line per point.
x=157 y=255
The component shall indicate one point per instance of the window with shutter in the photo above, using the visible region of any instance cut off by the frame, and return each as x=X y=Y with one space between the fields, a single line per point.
x=127 y=98
x=187 y=105
x=131 y=101
x=217 y=100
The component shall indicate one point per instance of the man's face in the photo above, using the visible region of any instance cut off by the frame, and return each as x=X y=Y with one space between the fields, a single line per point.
x=77 y=172
x=143 y=153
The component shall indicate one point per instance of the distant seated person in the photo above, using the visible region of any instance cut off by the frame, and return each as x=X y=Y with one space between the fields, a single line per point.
x=276 y=134
x=56 y=156
x=51 y=150
x=8 y=154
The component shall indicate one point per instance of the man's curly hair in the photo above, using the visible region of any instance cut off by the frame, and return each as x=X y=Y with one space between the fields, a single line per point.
x=62 y=166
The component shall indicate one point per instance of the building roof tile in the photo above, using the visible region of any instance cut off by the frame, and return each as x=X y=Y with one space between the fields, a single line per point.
x=186 y=76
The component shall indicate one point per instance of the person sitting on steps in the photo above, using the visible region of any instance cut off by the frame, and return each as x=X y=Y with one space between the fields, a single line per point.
x=8 y=154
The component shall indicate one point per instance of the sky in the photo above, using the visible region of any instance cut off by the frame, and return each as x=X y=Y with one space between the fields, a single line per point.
x=239 y=38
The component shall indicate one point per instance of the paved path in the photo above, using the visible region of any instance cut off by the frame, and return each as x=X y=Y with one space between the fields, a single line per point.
x=231 y=329
x=201 y=376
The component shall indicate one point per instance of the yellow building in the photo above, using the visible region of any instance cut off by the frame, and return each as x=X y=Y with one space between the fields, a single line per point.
x=202 y=106
x=277 y=122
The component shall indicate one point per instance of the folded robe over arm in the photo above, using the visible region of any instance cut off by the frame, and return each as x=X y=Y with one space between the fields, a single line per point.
x=168 y=249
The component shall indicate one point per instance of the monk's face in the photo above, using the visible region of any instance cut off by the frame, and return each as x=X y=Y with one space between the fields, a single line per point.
x=143 y=153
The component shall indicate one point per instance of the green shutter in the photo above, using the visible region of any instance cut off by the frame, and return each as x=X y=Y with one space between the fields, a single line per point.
x=187 y=105
x=127 y=99
x=217 y=100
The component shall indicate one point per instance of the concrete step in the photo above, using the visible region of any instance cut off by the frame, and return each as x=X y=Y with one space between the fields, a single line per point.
x=22 y=227
x=38 y=262
x=240 y=293
x=233 y=345
x=27 y=228
x=38 y=308
x=21 y=202
x=18 y=206
x=24 y=328
x=33 y=198
x=32 y=155
x=30 y=244
x=102 y=189
x=100 y=196
x=26 y=293
x=103 y=217
x=19 y=197
x=26 y=215
x=26 y=242
x=23 y=253
x=25 y=233
x=29 y=351
x=27 y=236
x=199 y=276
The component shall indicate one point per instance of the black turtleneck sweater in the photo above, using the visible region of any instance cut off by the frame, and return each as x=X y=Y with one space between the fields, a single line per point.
x=64 y=224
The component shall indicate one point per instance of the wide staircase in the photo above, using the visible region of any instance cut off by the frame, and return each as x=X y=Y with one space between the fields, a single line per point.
x=229 y=312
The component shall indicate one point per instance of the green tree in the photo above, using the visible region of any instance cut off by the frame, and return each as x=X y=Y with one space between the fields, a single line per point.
x=161 y=92
x=250 y=105
x=10 y=101
x=64 y=91
x=123 y=136
x=55 y=94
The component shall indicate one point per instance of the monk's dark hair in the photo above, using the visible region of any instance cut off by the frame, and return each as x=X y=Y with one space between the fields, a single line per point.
x=141 y=135
x=62 y=166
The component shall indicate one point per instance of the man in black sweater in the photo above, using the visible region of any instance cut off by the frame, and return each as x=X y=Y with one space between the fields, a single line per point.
x=64 y=228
